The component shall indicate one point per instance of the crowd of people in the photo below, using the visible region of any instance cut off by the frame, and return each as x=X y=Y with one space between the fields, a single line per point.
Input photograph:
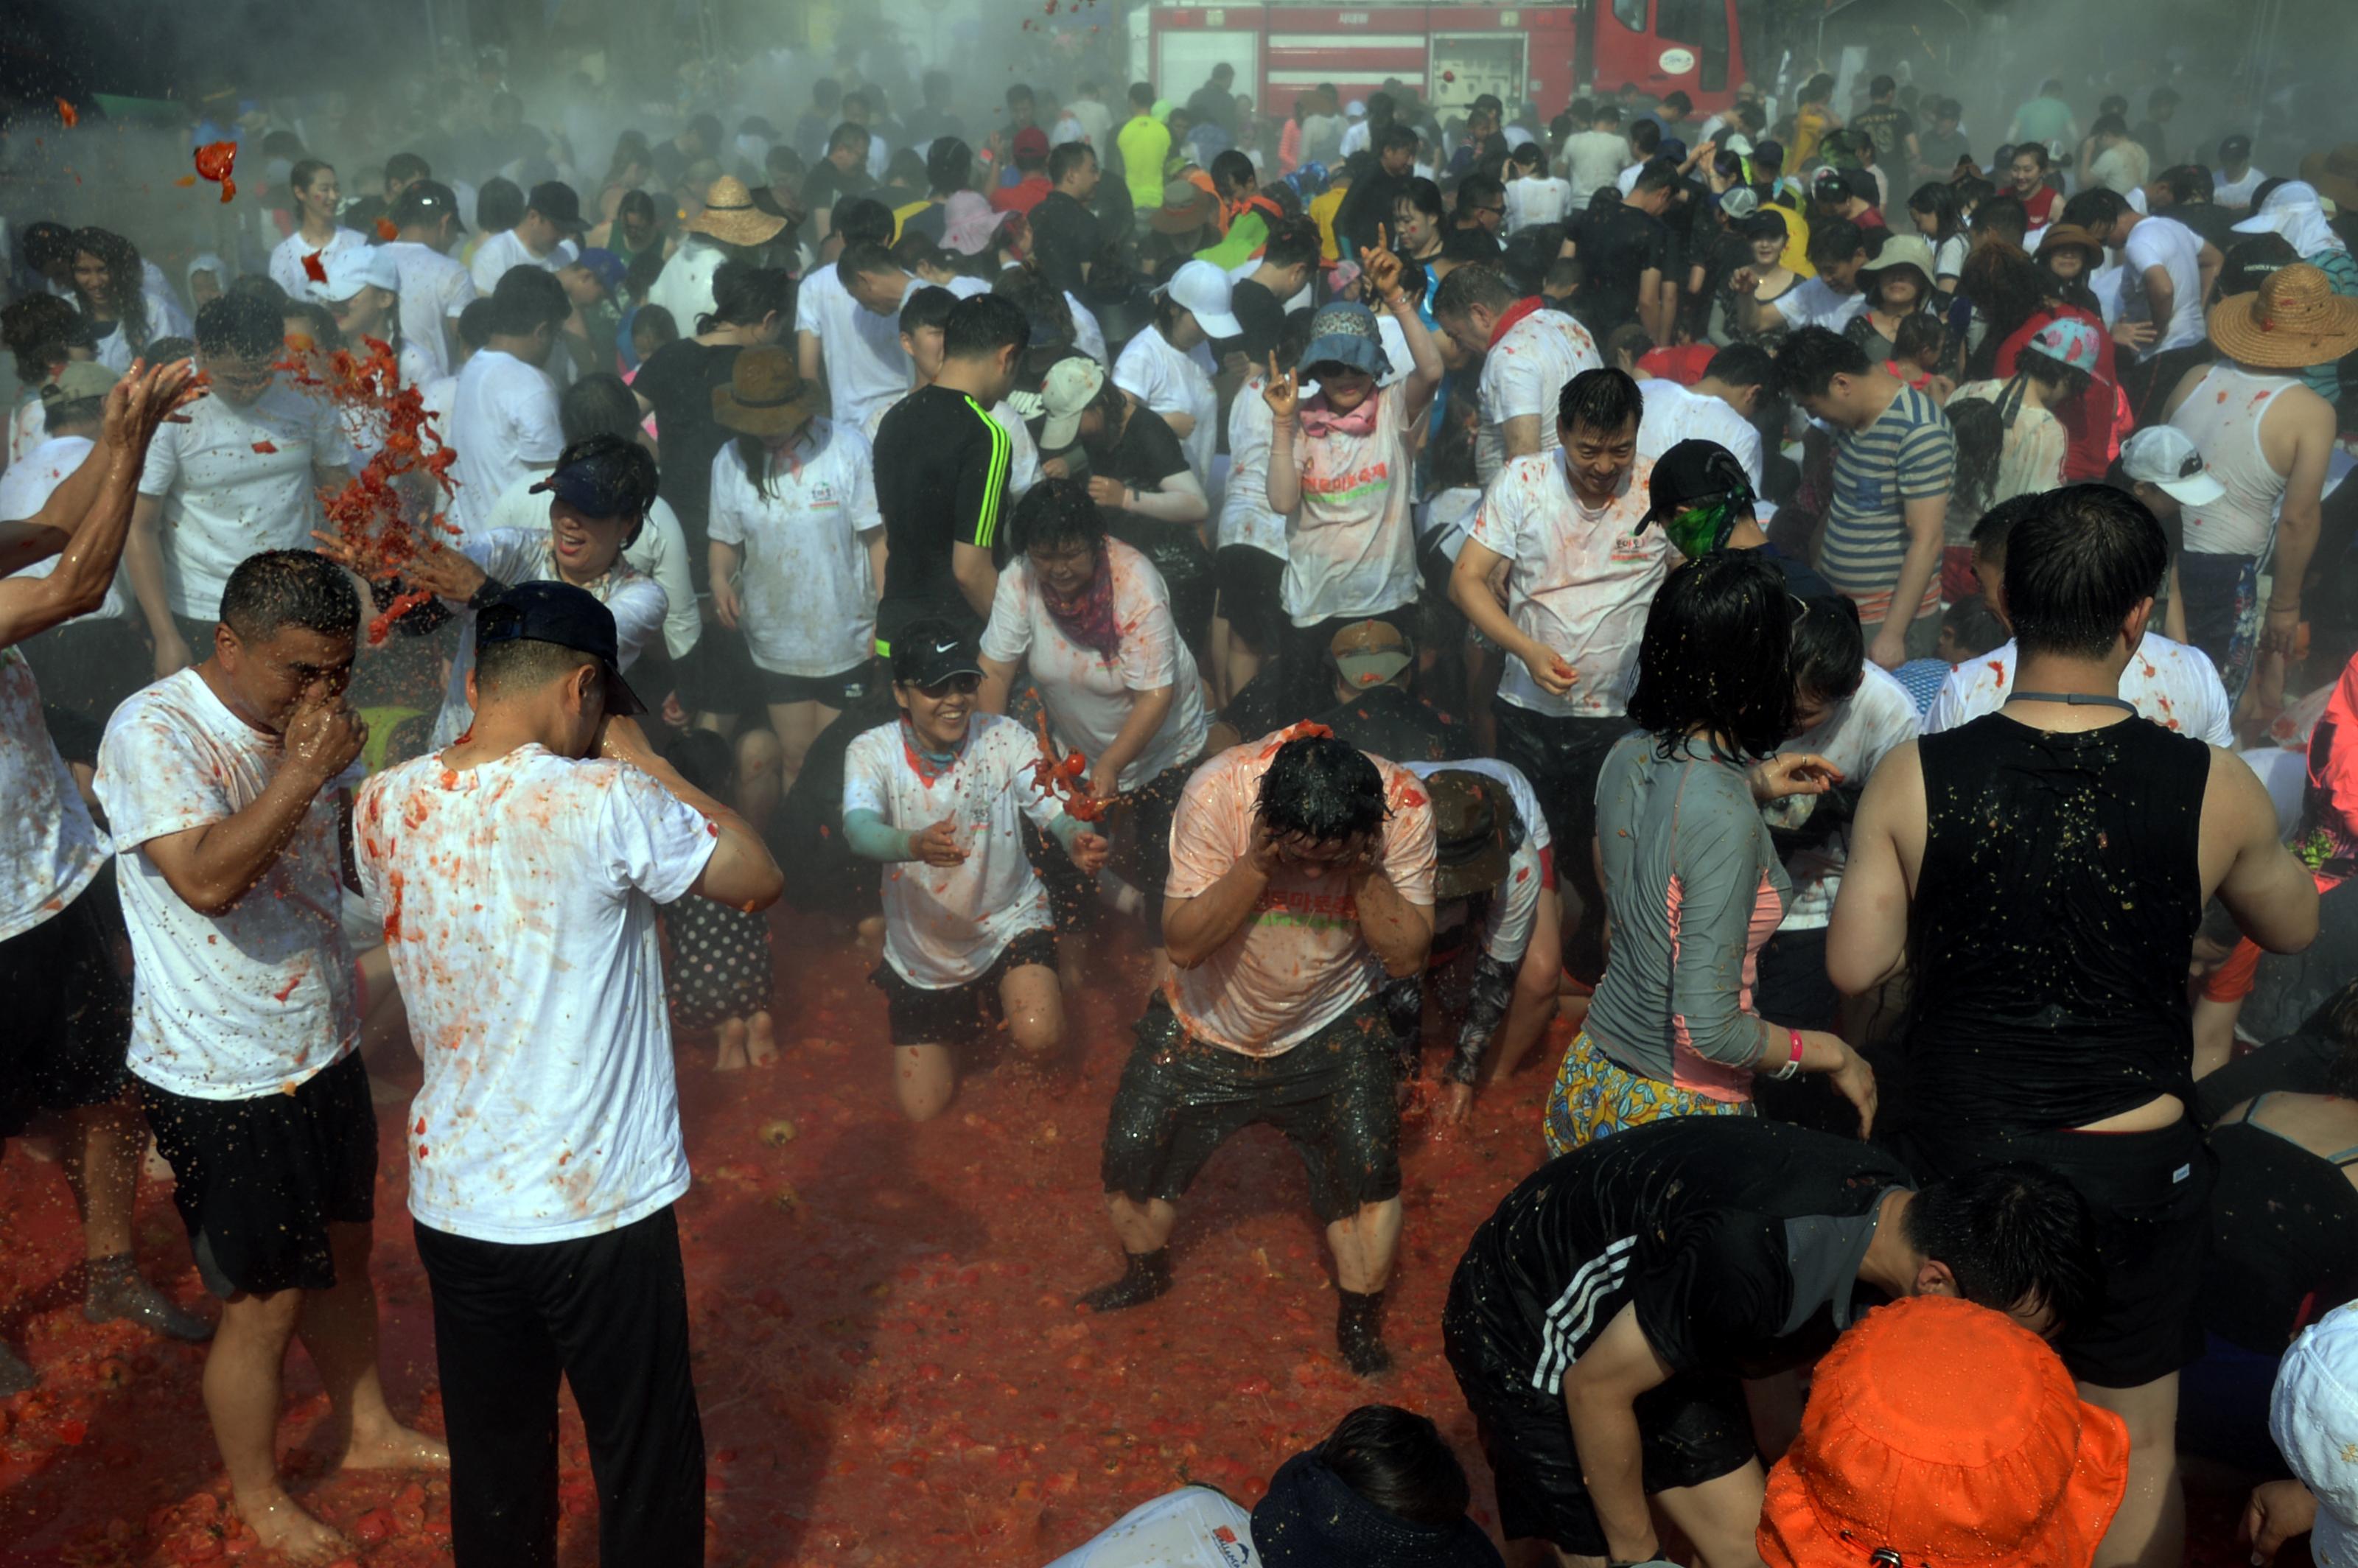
x=1851 y=617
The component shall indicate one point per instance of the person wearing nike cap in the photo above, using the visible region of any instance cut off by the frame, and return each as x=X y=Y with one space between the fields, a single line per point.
x=1168 y=367
x=545 y=1147
x=599 y=496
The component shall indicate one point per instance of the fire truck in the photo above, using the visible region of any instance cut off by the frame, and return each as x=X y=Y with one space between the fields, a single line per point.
x=1547 y=54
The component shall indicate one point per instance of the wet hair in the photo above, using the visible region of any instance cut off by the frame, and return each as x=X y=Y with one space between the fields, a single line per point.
x=2064 y=384
x=705 y=759
x=926 y=307
x=1660 y=174
x=1482 y=282
x=1602 y=399
x=37 y=329
x=1919 y=332
x=1832 y=240
x=2003 y=213
x=243 y=325
x=1056 y=512
x=1940 y=201
x=1424 y=196
x=527 y=299
x=1293 y=241
x=1066 y=157
x=1399 y=1461
x=2013 y=1233
x=1630 y=339
x=407 y=168
x=1321 y=789
x=1829 y=649
x=1995 y=527
x=982 y=325
x=744 y=294
x=864 y=258
x=1980 y=430
x=125 y=300
x=475 y=323
x=2109 y=125
x=2077 y=565
x=1717 y=654
x=1975 y=626
x=2097 y=208
x=1743 y=364
x=277 y=589
x=861 y=218
x=1233 y=168
x=2189 y=182
x=627 y=465
x=499 y=206
x=598 y=405
x=169 y=351
x=1811 y=357
x=1528 y=154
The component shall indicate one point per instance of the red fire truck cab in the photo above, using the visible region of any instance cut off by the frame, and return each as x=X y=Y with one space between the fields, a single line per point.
x=1548 y=54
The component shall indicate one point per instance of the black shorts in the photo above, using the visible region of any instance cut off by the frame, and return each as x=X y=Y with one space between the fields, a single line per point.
x=1563 y=756
x=1331 y=1095
x=1693 y=1429
x=836 y=691
x=718 y=675
x=1251 y=583
x=2151 y=1194
x=1142 y=834
x=954 y=1014
x=258 y=1181
x=69 y=1011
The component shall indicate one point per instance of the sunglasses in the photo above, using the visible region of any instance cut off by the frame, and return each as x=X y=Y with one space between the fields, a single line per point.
x=961 y=686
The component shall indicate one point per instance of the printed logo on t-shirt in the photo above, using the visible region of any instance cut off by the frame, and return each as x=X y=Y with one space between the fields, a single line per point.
x=1231 y=1549
x=1312 y=911
x=1631 y=547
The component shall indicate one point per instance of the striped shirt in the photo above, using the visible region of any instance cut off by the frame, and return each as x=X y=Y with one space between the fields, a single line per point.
x=1907 y=454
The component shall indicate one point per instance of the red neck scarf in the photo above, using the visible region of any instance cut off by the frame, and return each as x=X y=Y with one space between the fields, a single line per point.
x=1515 y=312
x=1087 y=617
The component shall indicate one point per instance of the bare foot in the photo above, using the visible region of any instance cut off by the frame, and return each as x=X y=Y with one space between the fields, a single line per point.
x=285 y=1529
x=762 y=1040
x=394 y=1447
x=731 y=1055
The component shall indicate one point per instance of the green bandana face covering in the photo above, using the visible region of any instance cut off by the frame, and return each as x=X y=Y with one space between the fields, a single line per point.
x=1699 y=530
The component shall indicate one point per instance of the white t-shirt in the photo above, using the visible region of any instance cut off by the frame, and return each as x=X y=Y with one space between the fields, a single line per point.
x=1814 y=303
x=861 y=350
x=1524 y=372
x=1023 y=452
x=2172 y=684
x=1675 y=414
x=659 y=552
x=1089 y=694
x=502 y=251
x=1580 y=582
x=257 y=999
x=49 y=848
x=434 y=289
x=27 y=428
x=1515 y=903
x=534 y=986
x=2169 y=245
x=808 y=597
x=1594 y=159
x=1193 y=1527
x=286 y=267
x=1535 y=200
x=684 y=288
x=1245 y=514
x=946 y=925
x=1169 y=381
x=1857 y=735
x=523 y=555
x=236 y=482
x=165 y=319
x=1949 y=257
x=1351 y=547
x=1088 y=337
x=27 y=487
x=2229 y=192
x=503 y=422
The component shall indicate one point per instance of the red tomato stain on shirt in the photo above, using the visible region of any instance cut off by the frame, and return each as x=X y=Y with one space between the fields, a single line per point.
x=288 y=990
x=268 y=448
x=387 y=230
x=314 y=268
x=1997 y=668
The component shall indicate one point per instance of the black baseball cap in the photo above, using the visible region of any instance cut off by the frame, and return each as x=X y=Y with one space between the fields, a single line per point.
x=568 y=616
x=554 y=201
x=2234 y=146
x=1693 y=472
x=426 y=200
x=927 y=653
x=601 y=484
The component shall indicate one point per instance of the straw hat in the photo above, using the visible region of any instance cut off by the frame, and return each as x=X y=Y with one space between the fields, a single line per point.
x=1942 y=1432
x=731 y=217
x=2292 y=321
x=2060 y=235
x=766 y=395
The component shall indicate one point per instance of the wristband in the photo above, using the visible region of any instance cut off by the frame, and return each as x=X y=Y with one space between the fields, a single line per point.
x=1792 y=1063
x=490 y=590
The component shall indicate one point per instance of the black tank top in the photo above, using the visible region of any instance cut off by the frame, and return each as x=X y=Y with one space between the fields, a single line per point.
x=2284 y=1239
x=2052 y=922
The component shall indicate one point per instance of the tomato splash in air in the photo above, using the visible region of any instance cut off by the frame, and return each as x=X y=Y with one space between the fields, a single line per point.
x=68 y=113
x=314 y=268
x=218 y=160
x=386 y=229
x=1062 y=778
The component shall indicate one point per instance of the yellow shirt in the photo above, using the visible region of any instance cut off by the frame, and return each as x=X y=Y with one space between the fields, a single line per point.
x=1145 y=142
x=1796 y=255
x=1323 y=208
x=1810 y=128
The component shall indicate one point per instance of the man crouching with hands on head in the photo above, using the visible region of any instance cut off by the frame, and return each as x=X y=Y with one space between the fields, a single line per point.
x=1301 y=875
x=517 y=874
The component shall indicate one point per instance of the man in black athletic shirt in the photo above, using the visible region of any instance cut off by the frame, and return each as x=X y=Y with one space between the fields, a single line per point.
x=1604 y=1317
x=2060 y=853
x=941 y=464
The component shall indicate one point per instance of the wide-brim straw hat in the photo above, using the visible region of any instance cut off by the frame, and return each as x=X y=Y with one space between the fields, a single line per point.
x=731 y=217
x=766 y=394
x=2293 y=321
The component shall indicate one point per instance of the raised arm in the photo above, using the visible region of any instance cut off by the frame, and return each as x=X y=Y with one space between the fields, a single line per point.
x=740 y=872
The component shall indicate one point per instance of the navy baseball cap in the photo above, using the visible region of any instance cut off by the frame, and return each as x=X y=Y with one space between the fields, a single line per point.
x=568 y=616
x=424 y=201
x=600 y=485
x=930 y=652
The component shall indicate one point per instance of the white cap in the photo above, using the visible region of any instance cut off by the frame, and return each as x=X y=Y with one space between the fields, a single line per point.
x=2313 y=1416
x=2164 y=456
x=1071 y=386
x=1204 y=288
x=351 y=268
x=1356 y=109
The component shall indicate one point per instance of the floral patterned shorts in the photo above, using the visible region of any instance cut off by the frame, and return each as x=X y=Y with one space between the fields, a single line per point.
x=1593 y=1098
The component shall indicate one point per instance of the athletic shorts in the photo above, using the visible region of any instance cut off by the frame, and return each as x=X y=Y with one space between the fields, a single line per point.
x=836 y=691
x=258 y=1181
x=2151 y=1194
x=1331 y=1095
x=68 y=1005
x=1693 y=1429
x=1251 y=582
x=957 y=1013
